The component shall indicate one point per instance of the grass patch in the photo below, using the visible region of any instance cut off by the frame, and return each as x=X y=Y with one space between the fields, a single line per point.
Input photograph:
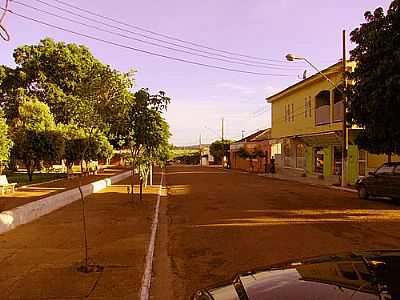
x=22 y=178
x=181 y=152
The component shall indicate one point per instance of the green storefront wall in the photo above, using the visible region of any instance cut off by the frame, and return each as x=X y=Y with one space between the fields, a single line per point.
x=352 y=164
x=352 y=170
x=327 y=161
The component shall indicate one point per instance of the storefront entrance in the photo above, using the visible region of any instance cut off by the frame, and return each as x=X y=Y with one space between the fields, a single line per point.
x=318 y=160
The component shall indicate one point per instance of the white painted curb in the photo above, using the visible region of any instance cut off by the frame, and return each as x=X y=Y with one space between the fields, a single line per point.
x=146 y=280
x=23 y=214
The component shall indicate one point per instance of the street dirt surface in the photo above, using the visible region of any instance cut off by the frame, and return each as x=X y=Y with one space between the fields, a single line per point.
x=216 y=223
x=24 y=195
x=39 y=260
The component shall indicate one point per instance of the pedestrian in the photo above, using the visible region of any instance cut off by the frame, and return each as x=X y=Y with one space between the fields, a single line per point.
x=272 y=163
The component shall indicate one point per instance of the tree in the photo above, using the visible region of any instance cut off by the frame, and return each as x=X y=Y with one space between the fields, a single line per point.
x=36 y=137
x=5 y=142
x=146 y=132
x=69 y=79
x=374 y=95
x=219 y=149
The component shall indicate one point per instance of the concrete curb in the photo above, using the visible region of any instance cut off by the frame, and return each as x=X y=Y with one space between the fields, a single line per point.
x=146 y=280
x=23 y=214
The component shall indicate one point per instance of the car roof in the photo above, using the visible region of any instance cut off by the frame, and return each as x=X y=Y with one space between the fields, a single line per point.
x=391 y=164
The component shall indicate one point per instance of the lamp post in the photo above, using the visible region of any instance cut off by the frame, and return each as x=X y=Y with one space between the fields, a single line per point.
x=291 y=57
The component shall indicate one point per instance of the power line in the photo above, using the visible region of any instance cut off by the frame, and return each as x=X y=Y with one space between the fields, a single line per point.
x=145 y=51
x=161 y=34
x=146 y=42
x=3 y=32
x=145 y=36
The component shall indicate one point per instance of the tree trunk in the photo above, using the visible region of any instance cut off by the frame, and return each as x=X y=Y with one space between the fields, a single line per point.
x=389 y=157
x=29 y=169
x=141 y=189
x=151 y=174
x=85 y=267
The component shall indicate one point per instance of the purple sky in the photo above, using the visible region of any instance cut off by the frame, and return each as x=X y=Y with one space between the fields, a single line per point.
x=202 y=96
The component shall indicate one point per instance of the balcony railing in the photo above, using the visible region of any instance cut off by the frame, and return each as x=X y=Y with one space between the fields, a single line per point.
x=322 y=115
x=338 y=111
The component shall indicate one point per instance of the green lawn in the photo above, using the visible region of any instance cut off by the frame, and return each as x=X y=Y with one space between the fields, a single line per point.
x=181 y=152
x=22 y=178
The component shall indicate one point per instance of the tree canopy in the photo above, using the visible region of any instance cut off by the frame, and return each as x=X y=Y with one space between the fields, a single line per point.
x=76 y=86
x=5 y=141
x=219 y=149
x=374 y=92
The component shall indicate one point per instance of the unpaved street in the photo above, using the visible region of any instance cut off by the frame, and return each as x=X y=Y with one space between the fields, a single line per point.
x=215 y=223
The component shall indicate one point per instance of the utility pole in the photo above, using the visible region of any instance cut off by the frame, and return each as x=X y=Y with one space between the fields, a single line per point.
x=243 y=134
x=222 y=129
x=222 y=139
x=200 y=148
x=344 y=142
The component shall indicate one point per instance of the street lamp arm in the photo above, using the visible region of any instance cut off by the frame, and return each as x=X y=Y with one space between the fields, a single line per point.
x=323 y=75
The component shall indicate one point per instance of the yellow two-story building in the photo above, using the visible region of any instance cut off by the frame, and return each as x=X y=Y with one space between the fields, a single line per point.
x=307 y=130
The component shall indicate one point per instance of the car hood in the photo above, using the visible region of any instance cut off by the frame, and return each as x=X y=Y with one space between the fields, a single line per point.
x=367 y=275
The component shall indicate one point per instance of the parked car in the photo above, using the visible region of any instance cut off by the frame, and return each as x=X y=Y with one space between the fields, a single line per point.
x=384 y=182
x=367 y=275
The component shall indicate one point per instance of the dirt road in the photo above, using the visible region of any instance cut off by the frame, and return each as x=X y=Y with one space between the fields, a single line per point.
x=215 y=223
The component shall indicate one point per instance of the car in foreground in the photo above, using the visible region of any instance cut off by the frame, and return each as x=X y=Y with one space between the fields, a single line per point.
x=384 y=182
x=366 y=275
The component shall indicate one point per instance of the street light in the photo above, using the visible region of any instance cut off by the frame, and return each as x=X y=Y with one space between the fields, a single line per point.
x=292 y=57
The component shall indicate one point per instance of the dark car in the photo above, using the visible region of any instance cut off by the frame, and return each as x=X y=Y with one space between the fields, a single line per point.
x=367 y=275
x=384 y=182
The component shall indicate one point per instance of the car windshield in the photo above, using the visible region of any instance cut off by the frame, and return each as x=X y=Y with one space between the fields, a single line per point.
x=385 y=169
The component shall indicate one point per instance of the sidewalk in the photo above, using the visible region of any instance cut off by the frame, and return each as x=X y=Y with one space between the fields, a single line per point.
x=308 y=180
x=39 y=260
x=35 y=192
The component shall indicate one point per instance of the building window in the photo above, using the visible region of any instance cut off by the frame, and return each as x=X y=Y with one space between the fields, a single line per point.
x=305 y=108
x=322 y=108
x=292 y=112
x=337 y=155
x=286 y=114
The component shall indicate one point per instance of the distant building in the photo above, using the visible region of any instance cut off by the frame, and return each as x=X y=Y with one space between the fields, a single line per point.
x=252 y=153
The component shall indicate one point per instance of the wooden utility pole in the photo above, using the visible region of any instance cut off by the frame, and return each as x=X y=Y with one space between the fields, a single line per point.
x=222 y=129
x=200 y=149
x=344 y=142
x=222 y=139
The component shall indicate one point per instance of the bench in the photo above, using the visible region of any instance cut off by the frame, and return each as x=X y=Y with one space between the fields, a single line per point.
x=5 y=186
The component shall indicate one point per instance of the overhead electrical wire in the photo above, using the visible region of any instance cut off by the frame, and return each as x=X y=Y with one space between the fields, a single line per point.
x=159 y=34
x=146 y=36
x=3 y=32
x=92 y=37
x=147 y=42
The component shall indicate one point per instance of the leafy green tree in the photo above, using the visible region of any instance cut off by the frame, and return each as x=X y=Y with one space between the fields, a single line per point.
x=147 y=132
x=219 y=149
x=5 y=142
x=374 y=98
x=70 y=80
x=36 y=138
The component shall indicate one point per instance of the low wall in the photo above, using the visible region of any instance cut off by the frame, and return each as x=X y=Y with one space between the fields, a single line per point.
x=23 y=214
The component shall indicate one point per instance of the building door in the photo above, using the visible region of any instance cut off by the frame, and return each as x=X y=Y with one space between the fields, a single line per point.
x=300 y=156
x=319 y=160
x=337 y=160
x=362 y=162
